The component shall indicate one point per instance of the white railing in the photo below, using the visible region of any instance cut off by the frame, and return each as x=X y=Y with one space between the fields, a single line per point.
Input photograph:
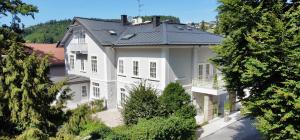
x=210 y=82
x=79 y=48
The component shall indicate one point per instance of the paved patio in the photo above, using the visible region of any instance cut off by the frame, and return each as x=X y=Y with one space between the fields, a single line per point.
x=217 y=124
x=111 y=117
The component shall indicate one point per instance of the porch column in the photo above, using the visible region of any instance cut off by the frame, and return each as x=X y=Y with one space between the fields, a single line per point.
x=208 y=107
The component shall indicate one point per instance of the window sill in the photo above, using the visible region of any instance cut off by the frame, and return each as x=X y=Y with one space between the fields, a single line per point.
x=155 y=80
x=121 y=75
x=136 y=77
x=83 y=71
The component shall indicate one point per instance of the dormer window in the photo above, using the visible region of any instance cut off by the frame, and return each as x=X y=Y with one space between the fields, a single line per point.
x=112 y=32
x=128 y=36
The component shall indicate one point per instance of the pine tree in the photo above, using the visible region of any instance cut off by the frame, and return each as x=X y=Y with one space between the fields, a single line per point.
x=260 y=53
x=26 y=92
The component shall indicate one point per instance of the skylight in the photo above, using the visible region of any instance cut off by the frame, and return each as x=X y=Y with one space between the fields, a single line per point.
x=112 y=32
x=128 y=36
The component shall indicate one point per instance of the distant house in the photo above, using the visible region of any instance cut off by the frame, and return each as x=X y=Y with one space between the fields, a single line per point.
x=56 y=59
x=107 y=57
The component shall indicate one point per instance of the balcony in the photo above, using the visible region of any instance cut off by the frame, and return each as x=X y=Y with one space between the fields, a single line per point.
x=80 y=48
x=213 y=85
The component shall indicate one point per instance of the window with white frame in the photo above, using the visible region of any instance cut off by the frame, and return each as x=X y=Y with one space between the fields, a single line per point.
x=207 y=71
x=83 y=91
x=94 y=63
x=123 y=96
x=72 y=61
x=136 y=68
x=81 y=39
x=96 y=90
x=200 y=72
x=82 y=65
x=153 y=70
x=121 y=66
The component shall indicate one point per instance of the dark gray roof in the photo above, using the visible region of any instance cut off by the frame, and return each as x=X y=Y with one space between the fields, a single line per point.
x=144 y=34
x=75 y=79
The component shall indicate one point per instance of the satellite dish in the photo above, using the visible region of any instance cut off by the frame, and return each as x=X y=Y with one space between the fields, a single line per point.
x=130 y=18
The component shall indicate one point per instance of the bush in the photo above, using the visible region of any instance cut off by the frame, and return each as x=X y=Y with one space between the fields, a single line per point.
x=78 y=119
x=142 y=103
x=33 y=134
x=173 y=128
x=95 y=129
x=97 y=106
x=175 y=100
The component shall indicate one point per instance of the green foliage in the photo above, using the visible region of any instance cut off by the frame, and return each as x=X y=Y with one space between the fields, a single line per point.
x=49 y=32
x=80 y=116
x=175 y=100
x=227 y=106
x=142 y=103
x=96 y=130
x=96 y=106
x=32 y=134
x=161 y=128
x=261 y=53
x=162 y=18
x=26 y=92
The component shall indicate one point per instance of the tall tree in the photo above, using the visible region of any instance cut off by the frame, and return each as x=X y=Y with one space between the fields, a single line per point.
x=203 y=26
x=260 y=53
x=26 y=92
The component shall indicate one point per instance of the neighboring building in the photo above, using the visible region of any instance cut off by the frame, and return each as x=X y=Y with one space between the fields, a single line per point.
x=56 y=59
x=109 y=56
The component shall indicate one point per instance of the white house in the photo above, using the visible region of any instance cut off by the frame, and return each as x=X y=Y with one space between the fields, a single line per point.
x=104 y=58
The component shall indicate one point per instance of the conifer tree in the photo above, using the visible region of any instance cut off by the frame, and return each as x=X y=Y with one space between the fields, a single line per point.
x=260 y=53
x=26 y=92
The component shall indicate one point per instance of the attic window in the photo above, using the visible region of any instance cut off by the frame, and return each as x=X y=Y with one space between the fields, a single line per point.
x=128 y=36
x=112 y=32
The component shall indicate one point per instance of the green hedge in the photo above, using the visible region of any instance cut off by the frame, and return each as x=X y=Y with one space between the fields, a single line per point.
x=172 y=128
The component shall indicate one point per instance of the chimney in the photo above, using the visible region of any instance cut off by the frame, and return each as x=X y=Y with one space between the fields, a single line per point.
x=156 y=21
x=124 y=19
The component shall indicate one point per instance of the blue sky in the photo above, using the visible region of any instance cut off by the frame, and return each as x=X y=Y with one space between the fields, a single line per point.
x=186 y=10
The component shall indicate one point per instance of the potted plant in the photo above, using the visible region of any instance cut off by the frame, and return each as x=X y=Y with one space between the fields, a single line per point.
x=226 y=111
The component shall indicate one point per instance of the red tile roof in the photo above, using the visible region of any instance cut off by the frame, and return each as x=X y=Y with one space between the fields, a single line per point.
x=56 y=54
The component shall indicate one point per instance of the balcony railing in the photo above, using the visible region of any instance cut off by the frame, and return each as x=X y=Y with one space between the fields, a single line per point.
x=211 y=82
x=81 y=48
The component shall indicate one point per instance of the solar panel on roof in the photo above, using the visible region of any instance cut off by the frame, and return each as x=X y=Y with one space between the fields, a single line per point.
x=128 y=36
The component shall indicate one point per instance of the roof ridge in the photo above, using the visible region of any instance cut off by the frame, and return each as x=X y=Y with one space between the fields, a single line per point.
x=100 y=19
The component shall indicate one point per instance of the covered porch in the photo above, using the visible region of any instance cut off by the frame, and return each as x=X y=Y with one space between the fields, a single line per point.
x=208 y=106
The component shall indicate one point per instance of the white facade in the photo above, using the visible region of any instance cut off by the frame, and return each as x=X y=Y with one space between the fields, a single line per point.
x=113 y=70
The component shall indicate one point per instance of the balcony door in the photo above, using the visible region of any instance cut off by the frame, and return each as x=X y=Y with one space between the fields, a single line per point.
x=205 y=71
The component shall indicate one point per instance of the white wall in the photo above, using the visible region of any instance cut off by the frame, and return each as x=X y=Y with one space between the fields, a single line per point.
x=77 y=98
x=181 y=65
x=105 y=75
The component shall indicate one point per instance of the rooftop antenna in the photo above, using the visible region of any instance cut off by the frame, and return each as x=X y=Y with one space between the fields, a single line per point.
x=140 y=5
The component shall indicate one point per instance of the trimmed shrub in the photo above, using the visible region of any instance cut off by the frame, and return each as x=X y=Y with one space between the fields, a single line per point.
x=33 y=134
x=175 y=100
x=142 y=103
x=95 y=129
x=173 y=128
